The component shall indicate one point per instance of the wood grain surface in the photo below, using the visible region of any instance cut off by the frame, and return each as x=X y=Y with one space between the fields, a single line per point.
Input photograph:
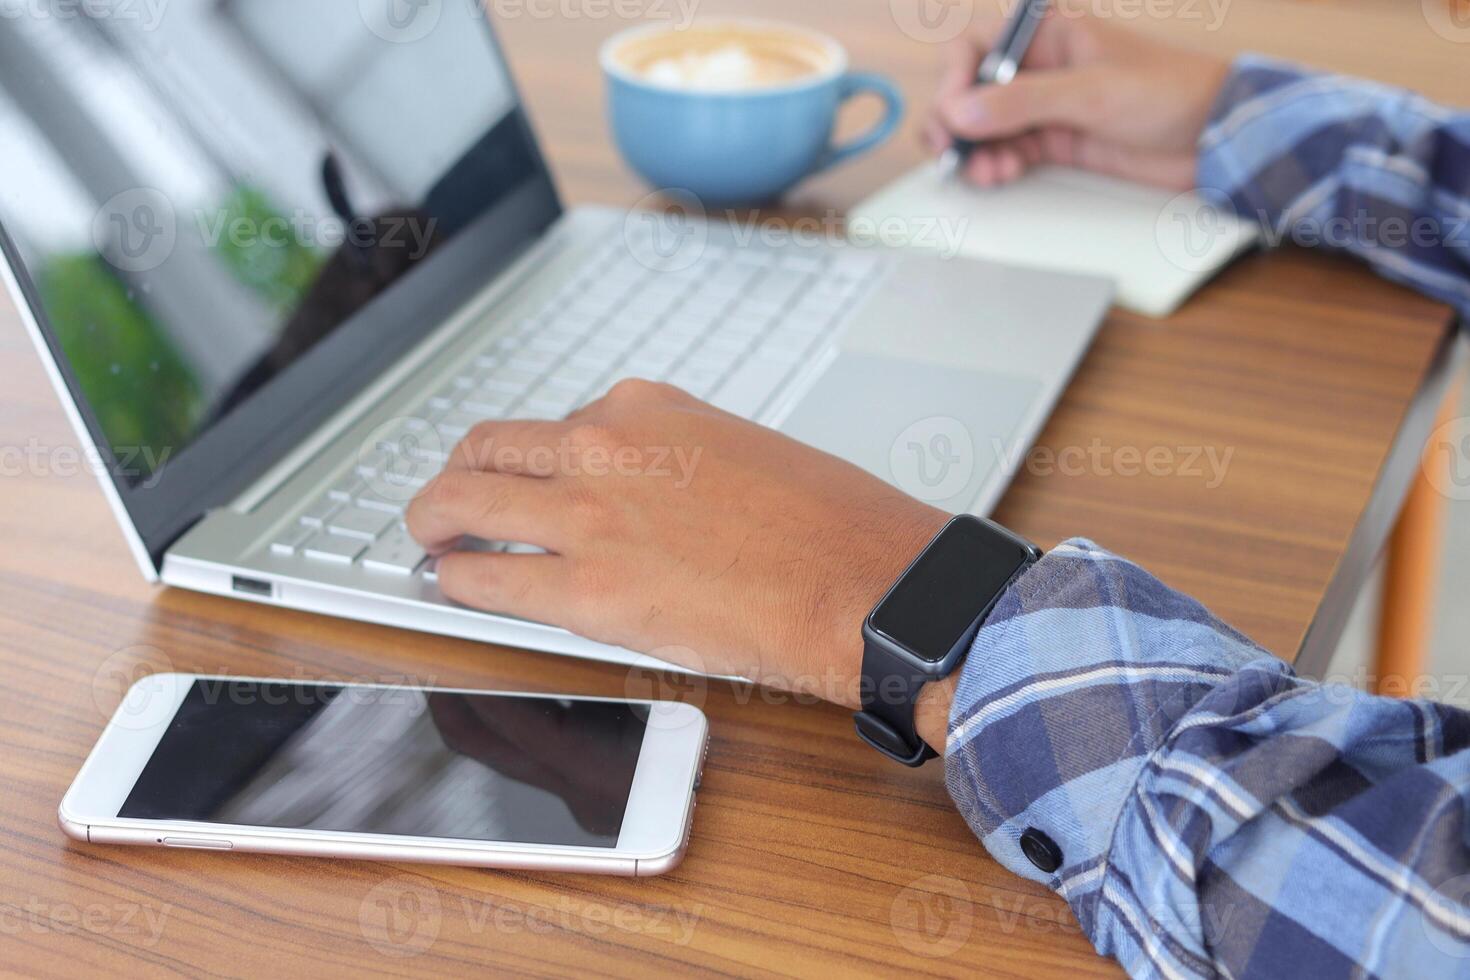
x=810 y=855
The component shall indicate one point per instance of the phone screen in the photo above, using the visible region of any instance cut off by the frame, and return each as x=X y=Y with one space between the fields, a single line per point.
x=395 y=760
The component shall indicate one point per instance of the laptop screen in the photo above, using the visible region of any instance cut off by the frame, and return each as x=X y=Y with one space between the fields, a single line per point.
x=221 y=189
x=203 y=192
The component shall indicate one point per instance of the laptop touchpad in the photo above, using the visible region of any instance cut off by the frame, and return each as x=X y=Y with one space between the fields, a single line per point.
x=937 y=433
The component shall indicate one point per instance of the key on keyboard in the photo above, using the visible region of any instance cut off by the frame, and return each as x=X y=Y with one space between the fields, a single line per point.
x=395 y=552
x=360 y=522
x=334 y=548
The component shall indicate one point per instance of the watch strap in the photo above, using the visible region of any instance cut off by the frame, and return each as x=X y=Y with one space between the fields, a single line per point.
x=890 y=693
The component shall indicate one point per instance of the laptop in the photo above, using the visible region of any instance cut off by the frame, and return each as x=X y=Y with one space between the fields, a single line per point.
x=278 y=257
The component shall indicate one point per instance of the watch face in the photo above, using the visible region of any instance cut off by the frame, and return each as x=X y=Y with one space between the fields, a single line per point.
x=931 y=609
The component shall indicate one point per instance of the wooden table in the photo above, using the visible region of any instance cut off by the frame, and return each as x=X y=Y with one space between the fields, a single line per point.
x=809 y=852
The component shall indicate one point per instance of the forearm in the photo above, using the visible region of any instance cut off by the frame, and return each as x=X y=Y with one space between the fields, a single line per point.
x=1207 y=803
x=1327 y=161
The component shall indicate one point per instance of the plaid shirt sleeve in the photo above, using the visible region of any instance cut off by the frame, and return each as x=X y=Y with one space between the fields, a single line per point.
x=1216 y=814
x=1327 y=161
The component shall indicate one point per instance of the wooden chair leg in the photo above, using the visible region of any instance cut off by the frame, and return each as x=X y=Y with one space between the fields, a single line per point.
x=1411 y=575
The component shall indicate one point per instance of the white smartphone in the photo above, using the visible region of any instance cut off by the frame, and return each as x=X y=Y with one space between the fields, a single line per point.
x=487 y=778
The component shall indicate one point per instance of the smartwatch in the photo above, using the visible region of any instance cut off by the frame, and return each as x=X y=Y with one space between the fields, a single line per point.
x=923 y=626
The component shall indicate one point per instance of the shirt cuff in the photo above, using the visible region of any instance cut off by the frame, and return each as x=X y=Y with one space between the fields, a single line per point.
x=1245 y=150
x=1075 y=679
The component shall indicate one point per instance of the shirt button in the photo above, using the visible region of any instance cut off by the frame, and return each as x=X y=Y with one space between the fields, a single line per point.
x=1041 y=850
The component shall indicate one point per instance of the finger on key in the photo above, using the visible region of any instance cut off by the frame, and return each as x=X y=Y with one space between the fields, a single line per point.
x=493 y=506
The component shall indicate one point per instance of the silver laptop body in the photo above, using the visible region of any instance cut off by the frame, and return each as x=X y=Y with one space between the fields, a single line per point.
x=285 y=481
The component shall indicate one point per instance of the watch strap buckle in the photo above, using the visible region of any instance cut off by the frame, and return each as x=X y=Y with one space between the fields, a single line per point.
x=888 y=740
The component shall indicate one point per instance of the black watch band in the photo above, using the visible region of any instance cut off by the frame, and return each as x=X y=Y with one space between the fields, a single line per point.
x=890 y=690
x=924 y=625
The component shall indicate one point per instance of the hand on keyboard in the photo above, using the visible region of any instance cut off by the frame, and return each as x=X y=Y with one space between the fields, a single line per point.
x=736 y=328
x=678 y=529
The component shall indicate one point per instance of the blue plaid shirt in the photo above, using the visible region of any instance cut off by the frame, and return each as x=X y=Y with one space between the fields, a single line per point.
x=1216 y=814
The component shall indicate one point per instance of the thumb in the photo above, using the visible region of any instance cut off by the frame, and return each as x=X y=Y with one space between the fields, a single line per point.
x=1062 y=96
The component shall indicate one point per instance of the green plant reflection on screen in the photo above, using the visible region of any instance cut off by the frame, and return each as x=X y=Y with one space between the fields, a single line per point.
x=144 y=396
x=262 y=250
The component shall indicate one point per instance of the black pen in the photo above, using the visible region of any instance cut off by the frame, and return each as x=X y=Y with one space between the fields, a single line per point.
x=998 y=68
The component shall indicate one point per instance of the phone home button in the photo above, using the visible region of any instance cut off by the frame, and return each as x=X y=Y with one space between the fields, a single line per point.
x=202 y=843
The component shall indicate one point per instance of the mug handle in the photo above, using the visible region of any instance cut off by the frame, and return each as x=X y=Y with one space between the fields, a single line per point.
x=857 y=83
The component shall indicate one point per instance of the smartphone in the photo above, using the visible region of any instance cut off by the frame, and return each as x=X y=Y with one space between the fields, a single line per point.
x=380 y=772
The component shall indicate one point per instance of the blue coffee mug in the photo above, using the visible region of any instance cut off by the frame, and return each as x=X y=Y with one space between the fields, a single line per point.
x=746 y=146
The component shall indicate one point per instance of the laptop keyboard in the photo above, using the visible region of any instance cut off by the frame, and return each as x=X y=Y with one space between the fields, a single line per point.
x=734 y=328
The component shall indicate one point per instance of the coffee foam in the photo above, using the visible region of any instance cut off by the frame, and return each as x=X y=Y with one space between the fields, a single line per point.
x=723 y=59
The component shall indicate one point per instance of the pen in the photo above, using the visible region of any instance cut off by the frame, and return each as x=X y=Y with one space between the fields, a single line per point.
x=998 y=68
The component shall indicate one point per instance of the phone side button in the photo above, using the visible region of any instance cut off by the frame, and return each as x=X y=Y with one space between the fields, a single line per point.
x=201 y=843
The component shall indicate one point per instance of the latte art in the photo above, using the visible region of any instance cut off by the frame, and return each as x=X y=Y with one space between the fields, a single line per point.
x=730 y=67
x=724 y=59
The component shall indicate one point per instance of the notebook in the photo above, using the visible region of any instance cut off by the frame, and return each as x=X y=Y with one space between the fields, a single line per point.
x=1157 y=246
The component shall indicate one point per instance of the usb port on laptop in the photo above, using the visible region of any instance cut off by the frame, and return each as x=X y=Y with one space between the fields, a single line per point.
x=252 y=586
